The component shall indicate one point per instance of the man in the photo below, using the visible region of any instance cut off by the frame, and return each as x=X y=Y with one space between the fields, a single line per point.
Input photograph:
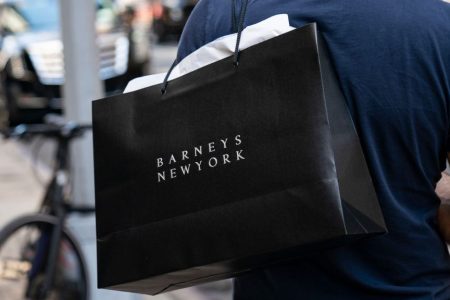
x=393 y=63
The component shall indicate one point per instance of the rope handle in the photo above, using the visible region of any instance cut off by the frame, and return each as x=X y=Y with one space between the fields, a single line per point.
x=240 y=28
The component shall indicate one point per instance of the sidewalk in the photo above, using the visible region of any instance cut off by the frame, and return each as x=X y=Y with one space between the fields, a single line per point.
x=21 y=192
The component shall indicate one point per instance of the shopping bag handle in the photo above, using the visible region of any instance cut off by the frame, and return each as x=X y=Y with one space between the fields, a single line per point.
x=240 y=28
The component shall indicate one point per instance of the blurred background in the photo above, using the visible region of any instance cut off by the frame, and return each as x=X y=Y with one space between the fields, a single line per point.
x=55 y=57
x=129 y=37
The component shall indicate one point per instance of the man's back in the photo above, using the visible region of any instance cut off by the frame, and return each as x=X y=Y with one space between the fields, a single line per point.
x=393 y=63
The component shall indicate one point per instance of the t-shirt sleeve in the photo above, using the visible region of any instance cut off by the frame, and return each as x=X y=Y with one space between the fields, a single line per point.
x=194 y=33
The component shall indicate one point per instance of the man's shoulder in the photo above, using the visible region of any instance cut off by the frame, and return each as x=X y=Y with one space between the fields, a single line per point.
x=213 y=18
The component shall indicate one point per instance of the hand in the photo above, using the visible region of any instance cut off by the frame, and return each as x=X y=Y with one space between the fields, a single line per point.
x=443 y=188
x=443 y=192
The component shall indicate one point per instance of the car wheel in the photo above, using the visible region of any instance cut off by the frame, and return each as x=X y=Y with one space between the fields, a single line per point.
x=11 y=93
x=3 y=110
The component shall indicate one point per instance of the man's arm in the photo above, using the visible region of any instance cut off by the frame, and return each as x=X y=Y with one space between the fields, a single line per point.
x=443 y=192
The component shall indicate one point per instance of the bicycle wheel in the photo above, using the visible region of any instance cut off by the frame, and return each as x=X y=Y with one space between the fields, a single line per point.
x=24 y=245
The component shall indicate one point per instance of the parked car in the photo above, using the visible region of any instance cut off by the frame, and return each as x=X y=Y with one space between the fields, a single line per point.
x=170 y=16
x=31 y=56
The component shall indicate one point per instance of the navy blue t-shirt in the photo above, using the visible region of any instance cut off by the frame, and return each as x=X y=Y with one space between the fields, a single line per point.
x=393 y=63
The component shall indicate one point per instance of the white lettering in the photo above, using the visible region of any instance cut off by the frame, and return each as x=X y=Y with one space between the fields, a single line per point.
x=175 y=166
x=161 y=176
x=184 y=154
x=238 y=140
x=226 y=159
x=238 y=155
x=199 y=165
x=185 y=169
x=211 y=147
x=224 y=142
x=198 y=150
x=159 y=162
x=215 y=162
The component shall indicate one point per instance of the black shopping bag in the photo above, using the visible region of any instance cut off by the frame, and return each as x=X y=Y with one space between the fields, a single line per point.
x=232 y=169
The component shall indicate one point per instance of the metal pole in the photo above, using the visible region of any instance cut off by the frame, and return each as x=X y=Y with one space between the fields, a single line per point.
x=82 y=85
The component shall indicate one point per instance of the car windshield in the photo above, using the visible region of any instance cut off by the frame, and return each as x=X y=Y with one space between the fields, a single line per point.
x=39 y=14
x=43 y=15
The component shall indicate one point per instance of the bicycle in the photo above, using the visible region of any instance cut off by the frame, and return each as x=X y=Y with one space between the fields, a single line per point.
x=39 y=258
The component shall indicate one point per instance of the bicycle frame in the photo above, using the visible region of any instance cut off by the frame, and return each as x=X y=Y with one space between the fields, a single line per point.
x=54 y=198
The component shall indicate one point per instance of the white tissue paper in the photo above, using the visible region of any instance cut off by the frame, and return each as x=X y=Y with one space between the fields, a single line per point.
x=218 y=49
